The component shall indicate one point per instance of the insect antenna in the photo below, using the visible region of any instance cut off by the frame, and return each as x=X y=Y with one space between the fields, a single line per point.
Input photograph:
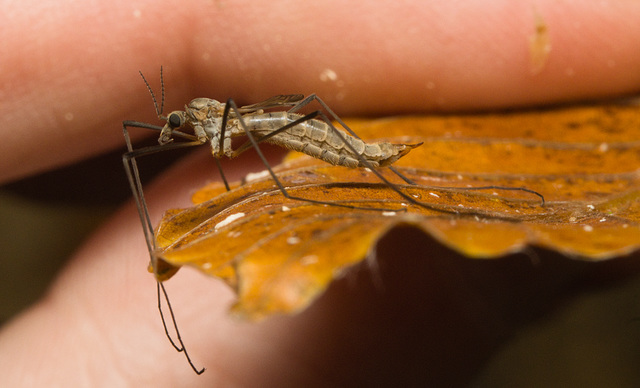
x=162 y=92
x=153 y=95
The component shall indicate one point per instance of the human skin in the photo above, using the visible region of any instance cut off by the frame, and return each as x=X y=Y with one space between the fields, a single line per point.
x=69 y=76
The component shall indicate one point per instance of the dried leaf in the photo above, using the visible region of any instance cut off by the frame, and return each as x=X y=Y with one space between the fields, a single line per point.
x=280 y=254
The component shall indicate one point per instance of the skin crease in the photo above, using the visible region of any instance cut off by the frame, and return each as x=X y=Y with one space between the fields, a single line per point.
x=69 y=76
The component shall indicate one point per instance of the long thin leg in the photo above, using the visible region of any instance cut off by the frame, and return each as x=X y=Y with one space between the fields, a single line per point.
x=182 y=347
x=313 y=97
x=315 y=114
x=492 y=187
x=377 y=173
x=231 y=106
x=404 y=178
x=253 y=142
x=131 y=168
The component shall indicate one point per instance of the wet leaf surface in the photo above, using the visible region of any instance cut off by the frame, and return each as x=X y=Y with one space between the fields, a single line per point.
x=280 y=254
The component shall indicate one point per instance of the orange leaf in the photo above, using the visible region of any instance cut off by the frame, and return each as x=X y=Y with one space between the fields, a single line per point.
x=280 y=254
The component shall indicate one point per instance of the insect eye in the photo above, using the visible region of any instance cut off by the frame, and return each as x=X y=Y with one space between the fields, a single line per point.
x=175 y=121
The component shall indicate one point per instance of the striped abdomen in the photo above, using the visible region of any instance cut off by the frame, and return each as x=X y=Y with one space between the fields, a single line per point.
x=317 y=139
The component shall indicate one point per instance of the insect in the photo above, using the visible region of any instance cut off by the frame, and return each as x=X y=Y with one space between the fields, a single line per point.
x=215 y=123
x=290 y=130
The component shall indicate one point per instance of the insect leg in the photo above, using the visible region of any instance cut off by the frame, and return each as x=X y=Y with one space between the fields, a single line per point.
x=310 y=116
x=310 y=98
x=182 y=348
x=404 y=178
x=492 y=187
x=362 y=160
x=542 y=201
x=231 y=106
x=313 y=97
x=377 y=173
x=133 y=175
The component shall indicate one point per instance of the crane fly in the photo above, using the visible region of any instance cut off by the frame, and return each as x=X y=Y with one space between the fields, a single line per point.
x=208 y=121
x=216 y=123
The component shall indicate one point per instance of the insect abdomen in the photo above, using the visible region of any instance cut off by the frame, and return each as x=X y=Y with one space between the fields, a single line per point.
x=317 y=139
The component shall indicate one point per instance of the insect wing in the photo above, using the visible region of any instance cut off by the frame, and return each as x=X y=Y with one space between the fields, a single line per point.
x=274 y=102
